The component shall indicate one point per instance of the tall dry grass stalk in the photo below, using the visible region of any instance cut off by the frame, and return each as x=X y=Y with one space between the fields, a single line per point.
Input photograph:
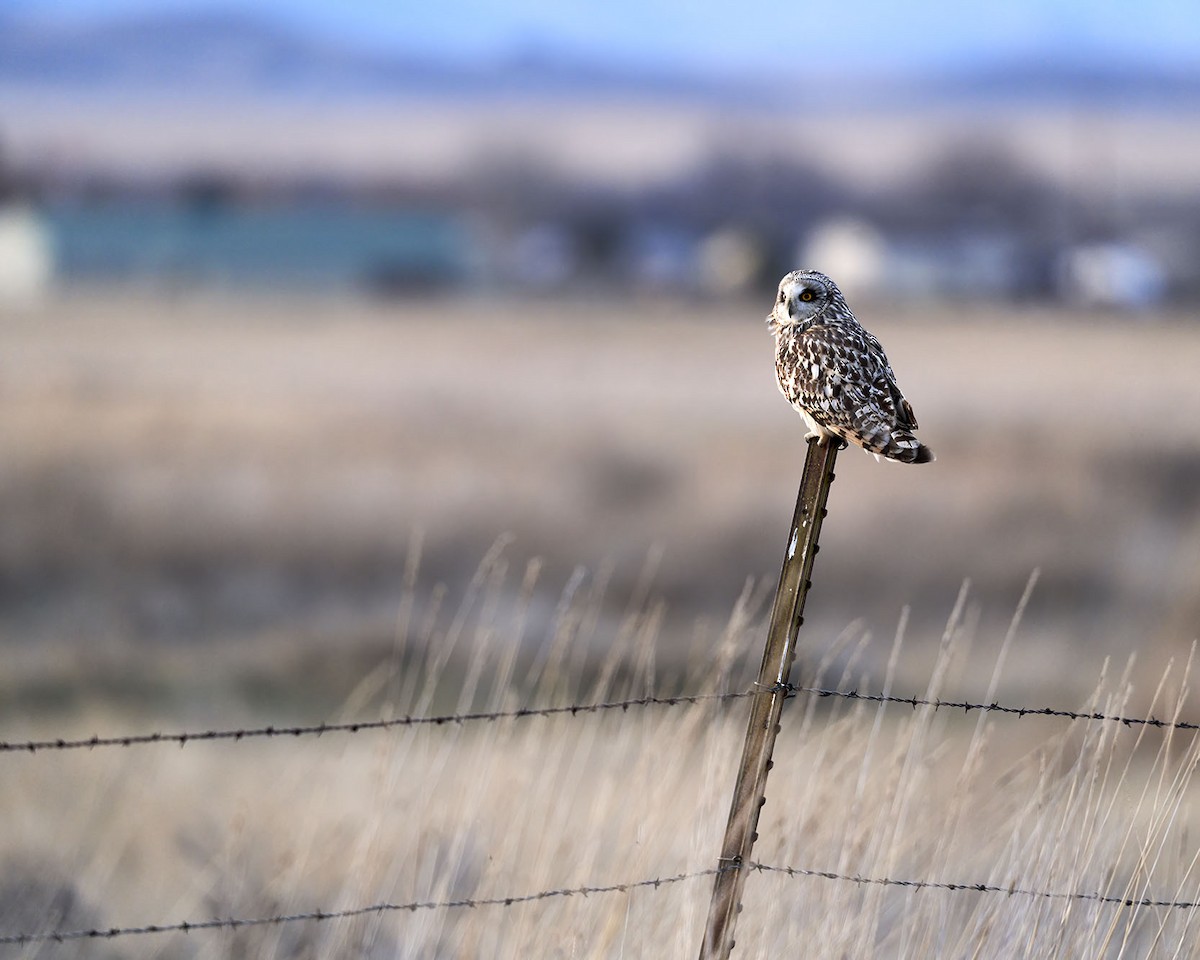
x=160 y=834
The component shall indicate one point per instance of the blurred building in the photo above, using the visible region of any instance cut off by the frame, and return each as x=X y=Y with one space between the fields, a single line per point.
x=26 y=254
x=280 y=246
x=850 y=249
x=731 y=260
x=1111 y=275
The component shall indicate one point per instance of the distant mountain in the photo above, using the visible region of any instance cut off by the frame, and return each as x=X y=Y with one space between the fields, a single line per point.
x=238 y=53
x=1076 y=82
x=244 y=55
x=225 y=51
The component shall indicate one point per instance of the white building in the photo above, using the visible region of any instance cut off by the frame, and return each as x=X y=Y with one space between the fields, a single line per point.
x=26 y=255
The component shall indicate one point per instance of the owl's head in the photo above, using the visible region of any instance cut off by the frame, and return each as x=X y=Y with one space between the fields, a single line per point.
x=804 y=296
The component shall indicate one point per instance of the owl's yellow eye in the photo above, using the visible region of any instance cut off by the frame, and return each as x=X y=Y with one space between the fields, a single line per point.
x=806 y=295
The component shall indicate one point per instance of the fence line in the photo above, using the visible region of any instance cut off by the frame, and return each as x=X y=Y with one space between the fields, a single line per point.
x=237 y=735
x=183 y=738
x=59 y=936
x=357 y=726
x=233 y=923
x=967 y=707
x=1012 y=891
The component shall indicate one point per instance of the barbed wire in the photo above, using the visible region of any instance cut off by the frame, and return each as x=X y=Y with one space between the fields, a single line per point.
x=183 y=738
x=233 y=923
x=967 y=707
x=356 y=726
x=1012 y=890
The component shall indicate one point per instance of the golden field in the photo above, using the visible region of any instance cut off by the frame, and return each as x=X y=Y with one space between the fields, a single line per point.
x=181 y=473
x=225 y=510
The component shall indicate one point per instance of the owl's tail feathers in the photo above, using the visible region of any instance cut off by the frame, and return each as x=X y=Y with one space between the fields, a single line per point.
x=924 y=455
x=906 y=448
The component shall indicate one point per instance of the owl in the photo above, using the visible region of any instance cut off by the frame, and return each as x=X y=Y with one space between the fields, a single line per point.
x=836 y=373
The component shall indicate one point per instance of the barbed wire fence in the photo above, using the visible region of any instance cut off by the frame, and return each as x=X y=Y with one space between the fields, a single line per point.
x=231 y=736
x=183 y=738
x=767 y=697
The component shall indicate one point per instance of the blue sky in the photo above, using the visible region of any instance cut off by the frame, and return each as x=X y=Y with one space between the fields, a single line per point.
x=772 y=36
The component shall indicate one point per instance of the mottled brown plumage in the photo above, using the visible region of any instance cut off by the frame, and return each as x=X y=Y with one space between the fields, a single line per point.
x=836 y=374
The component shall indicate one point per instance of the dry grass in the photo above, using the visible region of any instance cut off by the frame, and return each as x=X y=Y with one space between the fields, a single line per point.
x=482 y=810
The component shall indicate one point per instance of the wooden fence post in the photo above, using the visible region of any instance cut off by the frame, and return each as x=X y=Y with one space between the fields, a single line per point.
x=767 y=704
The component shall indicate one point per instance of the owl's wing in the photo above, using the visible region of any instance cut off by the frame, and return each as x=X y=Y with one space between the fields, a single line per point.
x=838 y=375
x=886 y=385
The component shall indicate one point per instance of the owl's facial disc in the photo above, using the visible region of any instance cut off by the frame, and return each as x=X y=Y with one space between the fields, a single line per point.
x=799 y=299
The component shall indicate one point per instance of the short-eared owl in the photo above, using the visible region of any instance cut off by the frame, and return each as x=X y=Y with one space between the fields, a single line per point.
x=836 y=374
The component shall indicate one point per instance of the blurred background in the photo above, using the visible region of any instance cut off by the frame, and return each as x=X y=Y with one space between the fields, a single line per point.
x=303 y=306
